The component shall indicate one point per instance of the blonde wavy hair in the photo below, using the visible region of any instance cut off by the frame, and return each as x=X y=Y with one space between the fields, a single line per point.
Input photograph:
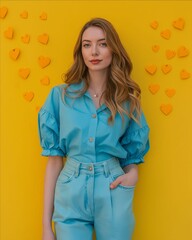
x=120 y=86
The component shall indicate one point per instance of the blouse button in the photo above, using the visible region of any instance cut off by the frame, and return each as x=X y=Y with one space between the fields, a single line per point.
x=90 y=168
x=94 y=115
x=90 y=139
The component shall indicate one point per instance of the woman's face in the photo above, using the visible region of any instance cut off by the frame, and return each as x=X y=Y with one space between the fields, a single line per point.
x=96 y=54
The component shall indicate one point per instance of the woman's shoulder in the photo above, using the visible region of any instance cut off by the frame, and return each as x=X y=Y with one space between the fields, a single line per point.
x=64 y=90
x=71 y=87
x=57 y=90
x=59 y=87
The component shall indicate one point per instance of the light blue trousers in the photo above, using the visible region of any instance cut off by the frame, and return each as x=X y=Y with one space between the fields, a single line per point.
x=83 y=200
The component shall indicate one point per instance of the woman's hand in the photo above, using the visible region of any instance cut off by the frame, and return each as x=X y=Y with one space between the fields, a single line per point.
x=130 y=178
x=48 y=234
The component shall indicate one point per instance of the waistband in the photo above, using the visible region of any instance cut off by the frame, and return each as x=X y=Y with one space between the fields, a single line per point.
x=105 y=166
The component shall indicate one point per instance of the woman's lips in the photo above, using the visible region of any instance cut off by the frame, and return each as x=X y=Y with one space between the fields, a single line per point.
x=96 y=61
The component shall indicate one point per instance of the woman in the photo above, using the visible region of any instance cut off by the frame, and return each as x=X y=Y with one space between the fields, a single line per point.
x=95 y=121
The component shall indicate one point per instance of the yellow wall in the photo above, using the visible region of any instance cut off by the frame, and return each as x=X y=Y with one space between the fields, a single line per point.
x=163 y=196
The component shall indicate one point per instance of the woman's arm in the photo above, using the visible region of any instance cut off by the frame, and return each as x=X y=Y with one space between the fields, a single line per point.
x=53 y=168
x=130 y=177
x=131 y=167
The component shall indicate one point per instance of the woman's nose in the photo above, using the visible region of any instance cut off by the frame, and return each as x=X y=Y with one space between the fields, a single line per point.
x=95 y=51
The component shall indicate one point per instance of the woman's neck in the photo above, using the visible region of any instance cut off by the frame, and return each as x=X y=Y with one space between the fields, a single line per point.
x=98 y=80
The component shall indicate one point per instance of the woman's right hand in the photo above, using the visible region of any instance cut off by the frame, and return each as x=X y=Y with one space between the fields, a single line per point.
x=48 y=234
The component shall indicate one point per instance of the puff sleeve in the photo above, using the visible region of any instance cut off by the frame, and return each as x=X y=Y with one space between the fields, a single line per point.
x=135 y=141
x=48 y=126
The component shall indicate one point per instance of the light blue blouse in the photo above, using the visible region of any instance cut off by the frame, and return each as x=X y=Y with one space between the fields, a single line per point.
x=78 y=130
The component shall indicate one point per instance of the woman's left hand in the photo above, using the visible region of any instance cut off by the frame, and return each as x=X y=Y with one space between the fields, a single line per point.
x=128 y=179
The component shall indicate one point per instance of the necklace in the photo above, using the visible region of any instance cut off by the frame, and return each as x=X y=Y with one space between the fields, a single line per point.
x=95 y=95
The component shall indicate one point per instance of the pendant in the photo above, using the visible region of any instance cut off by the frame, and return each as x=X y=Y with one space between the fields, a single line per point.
x=95 y=95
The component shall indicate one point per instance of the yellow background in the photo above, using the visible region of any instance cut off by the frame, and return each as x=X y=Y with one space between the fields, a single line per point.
x=163 y=195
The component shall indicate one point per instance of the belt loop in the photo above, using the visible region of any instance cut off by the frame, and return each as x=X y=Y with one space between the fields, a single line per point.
x=106 y=170
x=77 y=169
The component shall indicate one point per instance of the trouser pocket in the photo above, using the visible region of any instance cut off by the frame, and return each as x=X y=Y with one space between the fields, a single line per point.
x=65 y=176
x=117 y=172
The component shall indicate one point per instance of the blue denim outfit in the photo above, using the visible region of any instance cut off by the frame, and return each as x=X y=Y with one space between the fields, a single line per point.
x=96 y=152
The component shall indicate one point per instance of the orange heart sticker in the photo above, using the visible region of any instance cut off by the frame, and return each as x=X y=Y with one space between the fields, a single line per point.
x=166 y=68
x=3 y=12
x=43 y=16
x=44 y=38
x=44 y=61
x=25 y=38
x=170 y=54
x=184 y=74
x=182 y=51
x=155 y=48
x=24 y=73
x=28 y=96
x=45 y=81
x=166 y=109
x=166 y=34
x=9 y=33
x=154 y=24
x=170 y=92
x=14 y=53
x=151 y=69
x=24 y=14
x=179 y=24
x=154 y=88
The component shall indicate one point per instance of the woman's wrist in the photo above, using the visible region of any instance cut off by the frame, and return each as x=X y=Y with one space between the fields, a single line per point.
x=131 y=174
x=130 y=167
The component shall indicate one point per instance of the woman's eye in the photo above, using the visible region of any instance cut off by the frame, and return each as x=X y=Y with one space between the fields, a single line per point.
x=103 y=44
x=86 y=45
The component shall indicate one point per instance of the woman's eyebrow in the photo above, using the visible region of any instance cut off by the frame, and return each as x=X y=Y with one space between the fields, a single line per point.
x=102 y=39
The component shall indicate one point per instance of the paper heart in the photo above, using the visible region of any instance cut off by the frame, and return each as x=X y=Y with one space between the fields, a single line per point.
x=14 y=53
x=166 y=109
x=182 y=51
x=184 y=74
x=151 y=69
x=44 y=61
x=24 y=14
x=9 y=33
x=154 y=24
x=45 y=81
x=28 y=96
x=179 y=24
x=154 y=88
x=166 y=34
x=170 y=54
x=44 y=38
x=155 y=48
x=24 y=73
x=43 y=16
x=3 y=12
x=170 y=92
x=166 y=68
x=25 y=38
